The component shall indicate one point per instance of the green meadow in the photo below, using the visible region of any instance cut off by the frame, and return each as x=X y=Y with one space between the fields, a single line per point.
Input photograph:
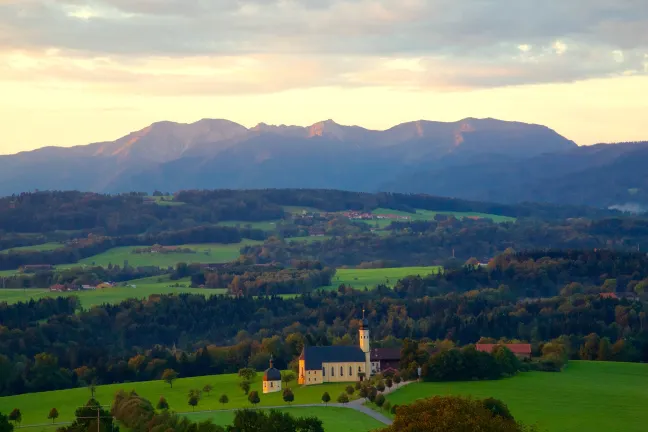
x=587 y=396
x=36 y=406
x=203 y=253
x=143 y=288
x=429 y=215
x=360 y=278
x=334 y=419
x=35 y=248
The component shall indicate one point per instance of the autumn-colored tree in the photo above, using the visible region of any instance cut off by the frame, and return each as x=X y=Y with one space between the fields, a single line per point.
x=169 y=375
x=326 y=398
x=451 y=414
x=53 y=414
x=208 y=388
x=15 y=416
x=343 y=398
x=162 y=404
x=254 y=398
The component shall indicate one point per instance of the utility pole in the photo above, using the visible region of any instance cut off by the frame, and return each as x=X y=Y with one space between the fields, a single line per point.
x=99 y=416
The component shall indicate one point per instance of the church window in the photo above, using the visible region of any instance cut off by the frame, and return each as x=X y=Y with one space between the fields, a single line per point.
x=350 y=370
x=271 y=384
x=332 y=371
x=323 y=371
x=341 y=370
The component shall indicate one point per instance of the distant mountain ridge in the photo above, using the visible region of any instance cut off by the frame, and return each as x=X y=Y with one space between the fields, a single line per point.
x=483 y=159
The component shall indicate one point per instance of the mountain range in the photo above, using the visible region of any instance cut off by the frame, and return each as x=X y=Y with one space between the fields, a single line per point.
x=477 y=159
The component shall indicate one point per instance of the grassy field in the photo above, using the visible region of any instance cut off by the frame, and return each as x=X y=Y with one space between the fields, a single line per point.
x=143 y=289
x=35 y=248
x=334 y=419
x=35 y=406
x=204 y=253
x=429 y=215
x=587 y=396
x=263 y=225
x=360 y=278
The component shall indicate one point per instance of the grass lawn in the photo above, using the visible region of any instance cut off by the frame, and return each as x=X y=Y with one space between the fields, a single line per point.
x=262 y=225
x=36 y=406
x=35 y=248
x=204 y=253
x=429 y=215
x=587 y=396
x=334 y=419
x=143 y=289
x=360 y=278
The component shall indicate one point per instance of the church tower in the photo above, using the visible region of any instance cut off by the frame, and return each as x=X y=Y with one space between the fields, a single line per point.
x=364 y=343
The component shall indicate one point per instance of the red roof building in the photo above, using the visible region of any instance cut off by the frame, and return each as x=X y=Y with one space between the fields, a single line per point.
x=520 y=350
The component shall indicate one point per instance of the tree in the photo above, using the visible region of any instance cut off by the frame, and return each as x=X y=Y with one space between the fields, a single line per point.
x=245 y=386
x=372 y=392
x=193 y=401
x=389 y=383
x=287 y=377
x=380 y=386
x=450 y=414
x=363 y=393
x=169 y=375
x=254 y=398
x=380 y=400
x=15 y=416
x=162 y=404
x=326 y=398
x=223 y=399
x=53 y=414
x=343 y=398
x=247 y=374
x=207 y=389
x=350 y=390
x=397 y=380
x=195 y=392
x=387 y=406
x=92 y=387
x=288 y=395
x=5 y=426
x=604 y=352
x=497 y=407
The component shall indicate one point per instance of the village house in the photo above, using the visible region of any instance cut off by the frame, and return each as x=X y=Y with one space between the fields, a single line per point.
x=521 y=351
x=271 y=379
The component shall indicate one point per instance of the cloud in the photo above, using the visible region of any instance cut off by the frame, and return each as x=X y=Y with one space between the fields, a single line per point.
x=243 y=46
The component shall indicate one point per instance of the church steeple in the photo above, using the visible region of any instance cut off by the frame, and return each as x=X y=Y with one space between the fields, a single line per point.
x=364 y=342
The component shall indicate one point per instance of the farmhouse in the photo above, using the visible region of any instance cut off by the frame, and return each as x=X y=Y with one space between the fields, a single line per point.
x=522 y=351
x=319 y=365
x=385 y=359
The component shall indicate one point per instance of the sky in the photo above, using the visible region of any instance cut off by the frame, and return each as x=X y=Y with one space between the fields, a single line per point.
x=80 y=71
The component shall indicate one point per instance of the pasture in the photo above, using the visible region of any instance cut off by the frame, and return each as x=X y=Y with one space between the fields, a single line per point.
x=429 y=215
x=143 y=289
x=203 y=253
x=36 y=406
x=587 y=396
x=334 y=419
x=35 y=248
x=361 y=278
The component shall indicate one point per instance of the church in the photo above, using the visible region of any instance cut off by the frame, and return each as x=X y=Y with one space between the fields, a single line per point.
x=325 y=364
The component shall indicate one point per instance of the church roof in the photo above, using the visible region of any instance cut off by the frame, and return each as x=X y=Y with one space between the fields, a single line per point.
x=314 y=356
x=272 y=374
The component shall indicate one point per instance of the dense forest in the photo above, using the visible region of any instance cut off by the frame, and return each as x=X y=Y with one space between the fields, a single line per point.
x=45 y=346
